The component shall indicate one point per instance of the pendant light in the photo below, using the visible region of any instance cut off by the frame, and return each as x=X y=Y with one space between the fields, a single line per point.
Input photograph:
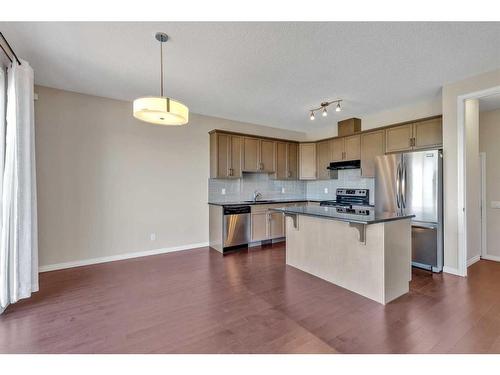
x=161 y=110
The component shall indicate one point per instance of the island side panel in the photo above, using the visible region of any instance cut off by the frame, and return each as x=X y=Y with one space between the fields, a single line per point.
x=215 y=227
x=331 y=250
x=397 y=273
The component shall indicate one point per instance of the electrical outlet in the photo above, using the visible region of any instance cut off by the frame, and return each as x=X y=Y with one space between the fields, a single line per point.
x=325 y=190
x=223 y=191
x=282 y=190
x=152 y=236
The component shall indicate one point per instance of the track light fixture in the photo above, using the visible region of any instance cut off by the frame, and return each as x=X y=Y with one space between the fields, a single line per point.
x=323 y=106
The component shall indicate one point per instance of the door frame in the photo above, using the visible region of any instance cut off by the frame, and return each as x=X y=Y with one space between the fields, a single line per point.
x=462 y=173
x=484 y=243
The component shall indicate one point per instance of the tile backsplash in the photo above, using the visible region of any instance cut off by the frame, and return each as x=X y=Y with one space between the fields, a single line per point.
x=243 y=189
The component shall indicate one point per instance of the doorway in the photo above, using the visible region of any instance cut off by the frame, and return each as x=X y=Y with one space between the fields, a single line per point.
x=469 y=207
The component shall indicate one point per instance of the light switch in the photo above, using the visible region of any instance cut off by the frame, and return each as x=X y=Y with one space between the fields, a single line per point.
x=495 y=204
x=223 y=191
x=152 y=236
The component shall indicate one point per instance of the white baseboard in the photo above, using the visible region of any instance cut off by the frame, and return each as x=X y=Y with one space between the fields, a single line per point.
x=491 y=257
x=112 y=258
x=473 y=260
x=452 y=271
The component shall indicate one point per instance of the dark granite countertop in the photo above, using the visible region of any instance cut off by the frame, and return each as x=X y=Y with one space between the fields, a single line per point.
x=264 y=201
x=331 y=213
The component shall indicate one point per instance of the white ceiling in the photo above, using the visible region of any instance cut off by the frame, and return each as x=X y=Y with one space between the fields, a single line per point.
x=264 y=73
x=489 y=103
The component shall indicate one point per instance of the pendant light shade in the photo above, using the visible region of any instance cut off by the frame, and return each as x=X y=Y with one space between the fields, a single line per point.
x=161 y=110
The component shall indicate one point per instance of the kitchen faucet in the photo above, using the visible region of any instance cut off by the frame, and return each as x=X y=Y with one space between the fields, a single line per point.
x=256 y=195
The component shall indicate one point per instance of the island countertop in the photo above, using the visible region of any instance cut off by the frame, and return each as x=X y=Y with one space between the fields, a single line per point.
x=332 y=214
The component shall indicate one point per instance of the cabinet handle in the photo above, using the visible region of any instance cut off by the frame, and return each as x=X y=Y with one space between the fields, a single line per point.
x=230 y=171
x=261 y=166
x=289 y=174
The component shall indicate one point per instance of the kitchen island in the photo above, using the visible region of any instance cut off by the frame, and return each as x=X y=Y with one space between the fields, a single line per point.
x=369 y=253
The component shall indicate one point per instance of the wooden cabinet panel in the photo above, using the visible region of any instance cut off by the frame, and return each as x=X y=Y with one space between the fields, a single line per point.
x=307 y=161
x=428 y=134
x=337 y=149
x=281 y=161
x=223 y=155
x=398 y=138
x=267 y=155
x=349 y=126
x=259 y=226
x=352 y=147
x=372 y=145
x=235 y=157
x=276 y=225
x=324 y=155
x=293 y=161
x=251 y=154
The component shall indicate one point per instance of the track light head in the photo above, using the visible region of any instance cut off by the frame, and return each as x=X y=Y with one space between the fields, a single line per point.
x=338 y=108
x=312 y=115
x=325 y=112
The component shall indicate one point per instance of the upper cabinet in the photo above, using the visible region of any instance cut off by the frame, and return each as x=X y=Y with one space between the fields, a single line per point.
x=307 y=161
x=225 y=155
x=286 y=161
x=352 y=147
x=345 y=148
x=372 y=145
x=414 y=136
x=323 y=157
x=259 y=155
x=428 y=134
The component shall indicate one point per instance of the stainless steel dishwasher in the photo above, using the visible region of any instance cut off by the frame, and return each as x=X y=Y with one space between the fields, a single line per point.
x=236 y=229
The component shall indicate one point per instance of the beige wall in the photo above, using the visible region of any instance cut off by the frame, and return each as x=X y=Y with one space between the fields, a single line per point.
x=473 y=204
x=489 y=143
x=450 y=95
x=423 y=109
x=106 y=181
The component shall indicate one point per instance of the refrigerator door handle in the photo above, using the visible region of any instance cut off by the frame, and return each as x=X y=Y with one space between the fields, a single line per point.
x=398 y=185
x=403 y=186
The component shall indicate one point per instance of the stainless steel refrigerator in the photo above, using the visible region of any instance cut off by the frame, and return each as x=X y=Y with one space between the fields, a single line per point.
x=413 y=183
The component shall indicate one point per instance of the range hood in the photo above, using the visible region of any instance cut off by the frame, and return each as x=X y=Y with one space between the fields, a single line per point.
x=349 y=164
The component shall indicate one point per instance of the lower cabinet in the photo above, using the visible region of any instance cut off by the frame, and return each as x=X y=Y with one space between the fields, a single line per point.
x=276 y=225
x=259 y=226
x=266 y=224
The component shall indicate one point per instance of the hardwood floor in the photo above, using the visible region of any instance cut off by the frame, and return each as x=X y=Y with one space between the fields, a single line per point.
x=197 y=301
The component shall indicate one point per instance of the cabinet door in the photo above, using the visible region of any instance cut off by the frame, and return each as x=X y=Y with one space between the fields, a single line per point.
x=307 y=161
x=251 y=154
x=398 y=138
x=259 y=226
x=428 y=134
x=337 y=146
x=352 y=147
x=235 y=157
x=323 y=152
x=276 y=225
x=293 y=161
x=372 y=145
x=223 y=155
x=281 y=161
x=267 y=156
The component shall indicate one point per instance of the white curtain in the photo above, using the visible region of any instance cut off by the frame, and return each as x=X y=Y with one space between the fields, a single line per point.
x=18 y=221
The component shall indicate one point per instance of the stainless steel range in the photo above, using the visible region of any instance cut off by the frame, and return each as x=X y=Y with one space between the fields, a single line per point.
x=351 y=201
